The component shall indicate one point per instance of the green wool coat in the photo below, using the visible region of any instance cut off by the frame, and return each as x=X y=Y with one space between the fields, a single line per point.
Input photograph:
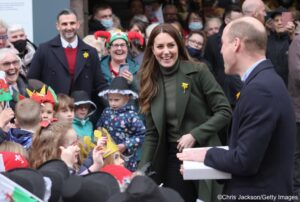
x=202 y=110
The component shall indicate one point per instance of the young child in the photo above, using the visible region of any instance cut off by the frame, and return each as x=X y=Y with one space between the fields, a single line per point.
x=27 y=120
x=84 y=108
x=111 y=155
x=65 y=110
x=58 y=140
x=48 y=101
x=122 y=121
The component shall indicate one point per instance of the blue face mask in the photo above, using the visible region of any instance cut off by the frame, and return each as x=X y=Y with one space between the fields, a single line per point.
x=195 y=26
x=107 y=23
x=195 y=53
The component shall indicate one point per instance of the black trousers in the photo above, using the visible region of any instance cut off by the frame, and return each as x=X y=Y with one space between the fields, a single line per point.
x=173 y=178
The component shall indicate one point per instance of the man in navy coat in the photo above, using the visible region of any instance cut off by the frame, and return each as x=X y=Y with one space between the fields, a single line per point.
x=262 y=137
x=66 y=63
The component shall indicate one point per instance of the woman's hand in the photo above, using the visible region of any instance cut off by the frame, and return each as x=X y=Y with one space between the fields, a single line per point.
x=186 y=141
x=128 y=76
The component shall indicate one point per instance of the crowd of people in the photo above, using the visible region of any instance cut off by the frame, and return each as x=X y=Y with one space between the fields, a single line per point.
x=110 y=117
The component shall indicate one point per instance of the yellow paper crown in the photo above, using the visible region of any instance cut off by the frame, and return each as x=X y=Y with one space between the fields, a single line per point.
x=85 y=145
x=111 y=146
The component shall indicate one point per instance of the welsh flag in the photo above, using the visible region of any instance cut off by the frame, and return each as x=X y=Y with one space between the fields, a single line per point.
x=12 y=192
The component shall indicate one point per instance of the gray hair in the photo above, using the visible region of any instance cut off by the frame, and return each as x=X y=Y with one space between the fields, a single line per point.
x=3 y=24
x=14 y=28
x=5 y=51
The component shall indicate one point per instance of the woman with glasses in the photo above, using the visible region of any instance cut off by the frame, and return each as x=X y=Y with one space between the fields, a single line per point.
x=10 y=63
x=118 y=45
x=195 y=44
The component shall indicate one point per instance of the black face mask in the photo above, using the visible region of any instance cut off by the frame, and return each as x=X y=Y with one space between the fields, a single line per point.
x=195 y=53
x=20 y=45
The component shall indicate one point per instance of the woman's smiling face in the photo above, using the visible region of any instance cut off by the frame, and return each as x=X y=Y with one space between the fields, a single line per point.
x=165 y=50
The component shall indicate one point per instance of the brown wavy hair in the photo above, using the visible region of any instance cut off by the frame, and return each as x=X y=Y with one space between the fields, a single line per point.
x=149 y=71
x=46 y=143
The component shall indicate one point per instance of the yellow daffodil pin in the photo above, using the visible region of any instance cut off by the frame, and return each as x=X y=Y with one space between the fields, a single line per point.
x=237 y=96
x=86 y=54
x=184 y=86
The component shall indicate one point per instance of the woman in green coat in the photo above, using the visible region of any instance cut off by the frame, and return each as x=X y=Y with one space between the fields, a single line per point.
x=184 y=107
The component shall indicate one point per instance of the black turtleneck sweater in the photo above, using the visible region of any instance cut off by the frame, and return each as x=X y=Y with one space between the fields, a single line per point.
x=169 y=81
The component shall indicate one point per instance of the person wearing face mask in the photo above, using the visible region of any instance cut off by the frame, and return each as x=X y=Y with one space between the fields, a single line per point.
x=17 y=37
x=102 y=18
x=195 y=44
x=194 y=22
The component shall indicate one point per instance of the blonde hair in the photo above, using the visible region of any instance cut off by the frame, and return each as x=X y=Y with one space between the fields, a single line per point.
x=46 y=143
x=13 y=147
x=28 y=113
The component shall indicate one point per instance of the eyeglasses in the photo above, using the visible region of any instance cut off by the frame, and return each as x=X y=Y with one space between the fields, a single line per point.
x=8 y=64
x=3 y=37
x=197 y=43
x=122 y=45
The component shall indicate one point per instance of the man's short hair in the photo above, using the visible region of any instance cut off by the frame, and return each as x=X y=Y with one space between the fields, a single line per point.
x=254 y=38
x=27 y=113
x=101 y=6
x=66 y=12
x=229 y=9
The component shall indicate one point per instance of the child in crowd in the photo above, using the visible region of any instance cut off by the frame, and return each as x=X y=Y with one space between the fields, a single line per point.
x=111 y=155
x=65 y=109
x=27 y=119
x=13 y=147
x=58 y=140
x=84 y=108
x=121 y=120
x=48 y=101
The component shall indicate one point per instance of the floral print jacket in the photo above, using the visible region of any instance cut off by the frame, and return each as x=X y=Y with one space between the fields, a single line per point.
x=126 y=127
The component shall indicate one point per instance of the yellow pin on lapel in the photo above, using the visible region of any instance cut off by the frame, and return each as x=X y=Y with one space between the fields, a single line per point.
x=184 y=86
x=237 y=96
x=86 y=54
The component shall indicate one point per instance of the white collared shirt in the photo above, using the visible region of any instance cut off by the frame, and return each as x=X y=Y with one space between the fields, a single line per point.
x=248 y=72
x=65 y=44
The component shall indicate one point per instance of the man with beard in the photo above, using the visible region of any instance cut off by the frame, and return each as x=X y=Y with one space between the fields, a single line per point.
x=17 y=36
x=66 y=63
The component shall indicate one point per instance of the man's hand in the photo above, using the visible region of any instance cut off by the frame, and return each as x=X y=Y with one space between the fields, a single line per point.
x=193 y=154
